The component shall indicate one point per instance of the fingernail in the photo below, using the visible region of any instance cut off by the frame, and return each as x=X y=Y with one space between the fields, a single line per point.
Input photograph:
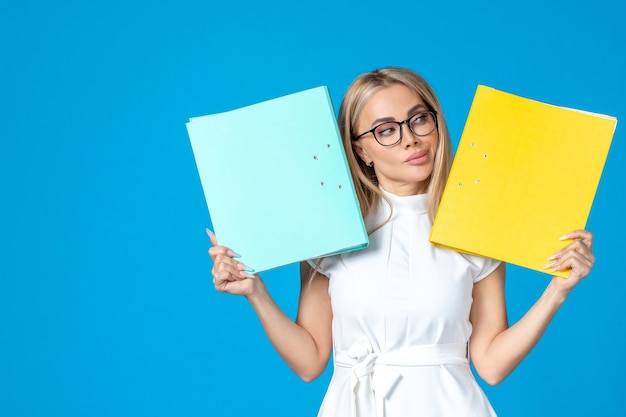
x=233 y=254
x=246 y=274
x=548 y=265
x=555 y=256
x=209 y=232
x=565 y=237
x=244 y=267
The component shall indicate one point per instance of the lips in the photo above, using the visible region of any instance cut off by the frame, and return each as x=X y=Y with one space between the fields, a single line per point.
x=417 y=158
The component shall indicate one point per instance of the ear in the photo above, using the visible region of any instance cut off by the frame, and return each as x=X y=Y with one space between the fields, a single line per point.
x=358 y=148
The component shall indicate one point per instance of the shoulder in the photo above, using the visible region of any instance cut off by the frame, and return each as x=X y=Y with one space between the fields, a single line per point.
x=481 y=267
x=322 y=266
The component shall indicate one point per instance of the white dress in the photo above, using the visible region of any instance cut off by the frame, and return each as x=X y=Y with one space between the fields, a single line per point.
x=401 y=322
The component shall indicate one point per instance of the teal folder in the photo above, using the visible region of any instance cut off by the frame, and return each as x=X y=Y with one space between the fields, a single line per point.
x=276 y=180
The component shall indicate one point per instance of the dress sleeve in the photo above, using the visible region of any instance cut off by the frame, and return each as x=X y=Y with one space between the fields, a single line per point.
x=323 y=265
x=482 y=267
x=314 y=262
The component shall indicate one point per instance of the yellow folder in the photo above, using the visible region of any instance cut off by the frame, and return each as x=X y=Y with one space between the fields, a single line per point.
x=524 y=174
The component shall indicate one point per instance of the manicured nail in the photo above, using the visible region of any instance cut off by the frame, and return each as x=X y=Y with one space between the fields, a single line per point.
x=243 y=267
x=555 y=256
x=245 y=274
x=565 y=237
x=233 y=254
x=548 y=265
x=209 y=232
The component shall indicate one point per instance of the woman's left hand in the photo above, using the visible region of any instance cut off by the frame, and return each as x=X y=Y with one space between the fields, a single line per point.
x=576 y=256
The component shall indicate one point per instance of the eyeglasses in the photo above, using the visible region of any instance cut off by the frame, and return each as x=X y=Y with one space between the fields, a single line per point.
x=390 y=133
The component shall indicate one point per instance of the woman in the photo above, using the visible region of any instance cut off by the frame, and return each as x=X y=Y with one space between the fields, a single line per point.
x=402 y=316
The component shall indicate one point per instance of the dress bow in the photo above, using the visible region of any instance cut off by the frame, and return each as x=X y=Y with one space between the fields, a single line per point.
x=372 y=382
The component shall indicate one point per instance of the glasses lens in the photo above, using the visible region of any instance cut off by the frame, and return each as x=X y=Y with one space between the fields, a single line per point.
x=422 y=124
x=387 y=133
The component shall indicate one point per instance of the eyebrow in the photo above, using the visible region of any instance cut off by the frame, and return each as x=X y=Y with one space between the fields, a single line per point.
x=411 y=111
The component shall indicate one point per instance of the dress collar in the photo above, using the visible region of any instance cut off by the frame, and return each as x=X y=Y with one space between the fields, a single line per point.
x=417 y=203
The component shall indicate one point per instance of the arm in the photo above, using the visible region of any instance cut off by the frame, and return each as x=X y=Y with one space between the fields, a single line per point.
x=304 y=344
x=498 y=349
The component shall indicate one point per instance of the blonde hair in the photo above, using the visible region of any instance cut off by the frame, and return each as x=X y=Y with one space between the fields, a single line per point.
x=363 y=176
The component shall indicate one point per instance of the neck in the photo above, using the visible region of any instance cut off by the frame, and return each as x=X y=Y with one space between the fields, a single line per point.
x=405 y=189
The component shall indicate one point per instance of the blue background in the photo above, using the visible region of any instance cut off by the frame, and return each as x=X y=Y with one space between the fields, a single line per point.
x=106 y=301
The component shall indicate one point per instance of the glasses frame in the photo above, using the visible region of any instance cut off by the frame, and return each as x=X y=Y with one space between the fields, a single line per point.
x=372 y=130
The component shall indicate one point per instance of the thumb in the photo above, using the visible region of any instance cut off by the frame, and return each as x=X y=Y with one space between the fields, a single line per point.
x=212 y=237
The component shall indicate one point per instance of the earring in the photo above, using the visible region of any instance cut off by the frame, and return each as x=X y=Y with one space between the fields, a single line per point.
x=370 y=163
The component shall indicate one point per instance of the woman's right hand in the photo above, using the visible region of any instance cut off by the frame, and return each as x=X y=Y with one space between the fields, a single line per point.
x=229 y=275
x=305 y=344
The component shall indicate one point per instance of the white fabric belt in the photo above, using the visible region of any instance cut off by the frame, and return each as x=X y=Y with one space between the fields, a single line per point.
x=373 y=376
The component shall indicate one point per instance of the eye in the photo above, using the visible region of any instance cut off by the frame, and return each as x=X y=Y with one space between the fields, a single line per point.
x=420 y=119
x=387 y=129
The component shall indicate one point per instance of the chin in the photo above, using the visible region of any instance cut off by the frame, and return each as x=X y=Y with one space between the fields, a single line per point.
x=421 y=175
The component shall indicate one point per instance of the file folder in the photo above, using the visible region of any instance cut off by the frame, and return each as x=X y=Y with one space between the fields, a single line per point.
x=525 y=173
x=276 y=180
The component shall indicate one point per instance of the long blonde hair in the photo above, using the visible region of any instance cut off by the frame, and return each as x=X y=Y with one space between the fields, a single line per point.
x=363 y=176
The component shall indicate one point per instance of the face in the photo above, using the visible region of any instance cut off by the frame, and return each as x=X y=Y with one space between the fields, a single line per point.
x=404 y=168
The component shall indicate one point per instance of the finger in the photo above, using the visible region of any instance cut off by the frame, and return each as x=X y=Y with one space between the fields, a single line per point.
x=226 y=268
x=579 y=264
x=222 y=285
x=583 y=236
x=212 y=236
x=577 y=249
x=578 y=246
x=213 y=240
x=574 y=260
x=222 y=280
x=215 y=251
x=224 y=262
x=575 y=253
x=582 y=242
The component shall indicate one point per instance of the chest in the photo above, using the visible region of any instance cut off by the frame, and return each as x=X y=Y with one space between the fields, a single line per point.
x=401 y=276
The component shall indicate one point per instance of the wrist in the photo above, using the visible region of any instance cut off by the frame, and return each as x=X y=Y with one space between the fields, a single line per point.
x=555 y=294
x=258 y=290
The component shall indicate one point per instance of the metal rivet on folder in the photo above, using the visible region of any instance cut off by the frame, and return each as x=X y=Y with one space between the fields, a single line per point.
x=477 y=181
x=485 y=156
x=460 y=184
x=322 y=183
x=328 y=145
x=472 y=144
x=315 y=157
x=340 y=186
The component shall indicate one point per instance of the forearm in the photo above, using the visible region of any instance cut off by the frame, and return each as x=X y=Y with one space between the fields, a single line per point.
x=293 y=342
x=511 y=346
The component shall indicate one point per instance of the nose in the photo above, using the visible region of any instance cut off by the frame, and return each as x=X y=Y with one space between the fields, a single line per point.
x=408 y=137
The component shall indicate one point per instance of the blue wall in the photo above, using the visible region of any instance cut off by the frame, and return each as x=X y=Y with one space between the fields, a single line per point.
x=106 y=301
